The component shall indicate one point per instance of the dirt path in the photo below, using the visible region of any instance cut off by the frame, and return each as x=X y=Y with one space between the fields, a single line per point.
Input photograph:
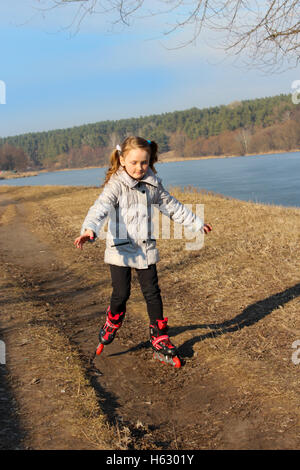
x=134 y=390
x=159 y=406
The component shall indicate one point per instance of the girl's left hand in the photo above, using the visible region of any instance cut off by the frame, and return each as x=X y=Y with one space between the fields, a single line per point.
x=207 y=228
x=88 y=235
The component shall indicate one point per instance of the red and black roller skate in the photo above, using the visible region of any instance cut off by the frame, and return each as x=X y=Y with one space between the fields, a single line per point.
x=108 y=331
x=164 y=350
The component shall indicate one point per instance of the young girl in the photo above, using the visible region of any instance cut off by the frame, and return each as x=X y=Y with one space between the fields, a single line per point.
x=130 y=190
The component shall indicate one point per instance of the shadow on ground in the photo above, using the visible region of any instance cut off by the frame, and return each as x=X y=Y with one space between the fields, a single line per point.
x=249 y=316
x=11 y=432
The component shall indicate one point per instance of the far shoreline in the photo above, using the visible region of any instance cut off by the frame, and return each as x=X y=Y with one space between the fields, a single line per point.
x=166 y=159
x=163 y=158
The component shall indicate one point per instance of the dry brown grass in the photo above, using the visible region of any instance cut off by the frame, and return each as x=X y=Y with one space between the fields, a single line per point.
x=21 y=174
x=58 y=408
x=234 y=304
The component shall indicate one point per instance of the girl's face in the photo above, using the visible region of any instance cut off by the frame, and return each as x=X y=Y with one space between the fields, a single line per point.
x=136 y=162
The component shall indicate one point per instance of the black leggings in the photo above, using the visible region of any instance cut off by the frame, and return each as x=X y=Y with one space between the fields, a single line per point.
x=121 y=283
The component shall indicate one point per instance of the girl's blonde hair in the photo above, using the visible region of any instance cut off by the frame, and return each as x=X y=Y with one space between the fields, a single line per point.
x=130 y=143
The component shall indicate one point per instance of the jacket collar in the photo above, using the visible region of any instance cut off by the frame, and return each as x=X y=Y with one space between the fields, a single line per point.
x=149 y=178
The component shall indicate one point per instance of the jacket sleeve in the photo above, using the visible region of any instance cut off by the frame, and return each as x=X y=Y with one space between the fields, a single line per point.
x=101 y=208
x=177 y=211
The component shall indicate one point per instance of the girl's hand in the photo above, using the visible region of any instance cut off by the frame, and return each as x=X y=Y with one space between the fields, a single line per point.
x=207 y=228
x=88 y=235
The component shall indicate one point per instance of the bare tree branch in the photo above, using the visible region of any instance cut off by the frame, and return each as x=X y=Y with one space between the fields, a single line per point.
x=268 y=30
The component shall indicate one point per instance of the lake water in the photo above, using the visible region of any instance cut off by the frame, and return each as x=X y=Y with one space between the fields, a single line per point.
x=272 y=179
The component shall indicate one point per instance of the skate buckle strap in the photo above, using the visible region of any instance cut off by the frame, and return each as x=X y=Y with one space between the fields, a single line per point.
x=116 y=317
x=162 y=323
x=159 y=339
x=111 y=325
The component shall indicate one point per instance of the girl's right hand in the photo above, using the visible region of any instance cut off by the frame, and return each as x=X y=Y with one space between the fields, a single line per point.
x=88 y=235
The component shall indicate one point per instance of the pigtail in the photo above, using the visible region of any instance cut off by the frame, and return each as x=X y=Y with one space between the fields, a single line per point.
x=153 y=154
x=114 y=164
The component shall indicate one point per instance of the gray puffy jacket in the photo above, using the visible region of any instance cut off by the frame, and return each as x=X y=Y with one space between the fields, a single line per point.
x=129 y=206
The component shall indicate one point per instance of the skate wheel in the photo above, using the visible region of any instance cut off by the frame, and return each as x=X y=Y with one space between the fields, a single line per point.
x=173 y=361
x=99 y=349
x=176 y=362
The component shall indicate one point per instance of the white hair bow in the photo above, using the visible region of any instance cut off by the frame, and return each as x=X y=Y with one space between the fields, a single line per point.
x=118 y=148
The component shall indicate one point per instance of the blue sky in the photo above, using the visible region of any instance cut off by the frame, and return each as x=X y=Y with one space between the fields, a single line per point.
x=59 y=78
